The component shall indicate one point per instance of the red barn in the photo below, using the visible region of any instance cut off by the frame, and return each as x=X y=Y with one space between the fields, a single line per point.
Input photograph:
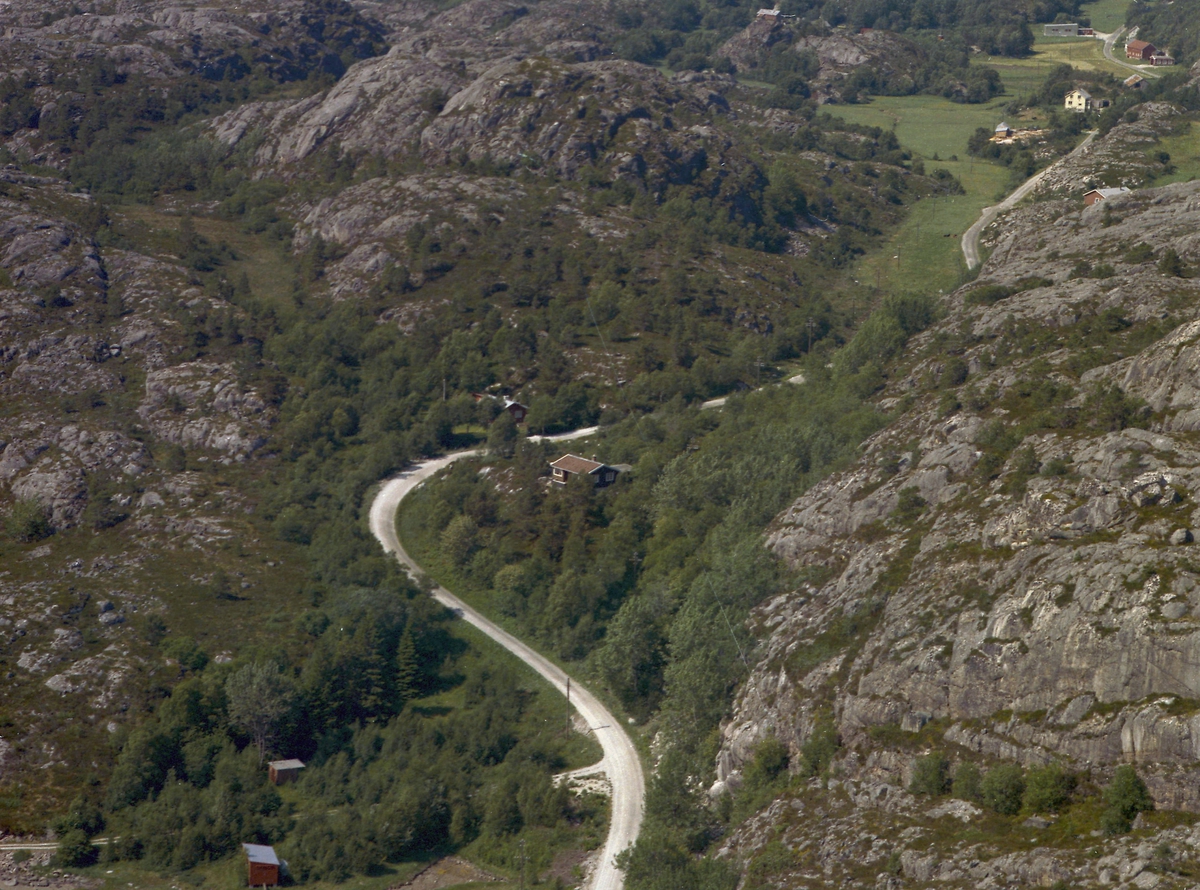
x=263 y=865
x=1140 y=49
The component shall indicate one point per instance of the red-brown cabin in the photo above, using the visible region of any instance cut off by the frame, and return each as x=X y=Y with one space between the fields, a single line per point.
x=263 y=865
x=1095 y=196
x=573 y=465
x=516 y=409
x=283 y=771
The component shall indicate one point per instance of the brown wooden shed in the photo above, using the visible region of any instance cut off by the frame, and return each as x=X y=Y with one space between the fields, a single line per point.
x=572 y=465
x=516 y=409
x=283 y=771
x=262 y=864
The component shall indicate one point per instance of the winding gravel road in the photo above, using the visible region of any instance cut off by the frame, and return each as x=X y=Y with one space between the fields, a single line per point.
x=970 y=239
x=1111 y=39
x=620 y=762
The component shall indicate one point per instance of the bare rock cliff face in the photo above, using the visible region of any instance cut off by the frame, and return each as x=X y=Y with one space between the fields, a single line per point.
x=1034 y=600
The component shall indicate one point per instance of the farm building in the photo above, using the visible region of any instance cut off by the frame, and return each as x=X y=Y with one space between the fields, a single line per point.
x=1064 y=30
x=1097 y=195
x=1135 y=81
x=515 y=408
x=1078 y=101
x=769 y=14
x=1140 y=49
x=1161 y=60
x=573 y=465
x=1003 y=130
x=262 y=864
x=1087 y=32
x=283 y=771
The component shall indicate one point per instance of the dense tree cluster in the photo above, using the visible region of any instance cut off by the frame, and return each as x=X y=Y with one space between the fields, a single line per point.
x=385 y=781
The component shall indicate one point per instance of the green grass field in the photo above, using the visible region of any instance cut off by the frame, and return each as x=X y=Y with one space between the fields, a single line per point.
x=1022 y=76
x=923 y=253
x=1106 y=15
x=1185 y=156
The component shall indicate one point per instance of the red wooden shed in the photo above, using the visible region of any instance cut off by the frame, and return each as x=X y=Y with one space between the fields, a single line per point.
x=283 y=771
x=263 y=865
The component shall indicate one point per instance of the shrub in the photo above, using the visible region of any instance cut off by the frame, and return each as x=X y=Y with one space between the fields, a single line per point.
x=817 y=753
x=1047 y=789
x=966 y=785
x=1139 y=253
x=931 y=775
x=1003 y=788
x=460 y=539
x=1171 y=264
x=75 y=850
x=954 y=372
x=770 y=759
x=1126 y=796
x=27 y=520
x=185 y=651
x=1110 y=409
x=909 y=506
x=986 y=295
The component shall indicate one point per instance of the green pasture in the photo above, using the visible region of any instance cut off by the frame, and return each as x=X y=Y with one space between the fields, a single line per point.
x=1022 y=76
x=923 y=253
x=1106 y=15
x=1185 y=156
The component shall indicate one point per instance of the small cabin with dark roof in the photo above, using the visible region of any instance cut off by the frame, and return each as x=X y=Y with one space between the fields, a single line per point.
x=570 y=465
x=283 y=771
x=262 y=865
x=516 y=409
x=513 y=407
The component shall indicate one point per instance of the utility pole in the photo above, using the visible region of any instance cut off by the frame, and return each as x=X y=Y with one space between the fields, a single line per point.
x=568 y=705
x=810 y=324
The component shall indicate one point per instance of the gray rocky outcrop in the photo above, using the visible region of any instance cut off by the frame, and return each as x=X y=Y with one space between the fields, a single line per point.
x=202 y=405
x=1031 y=616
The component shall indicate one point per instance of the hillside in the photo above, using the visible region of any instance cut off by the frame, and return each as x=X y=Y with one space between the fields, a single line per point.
x=1008 y=564
x=257 y=258
x=254 y=260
